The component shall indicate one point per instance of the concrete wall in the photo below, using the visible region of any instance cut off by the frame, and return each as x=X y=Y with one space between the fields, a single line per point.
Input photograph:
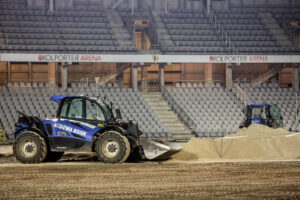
x=38 y=72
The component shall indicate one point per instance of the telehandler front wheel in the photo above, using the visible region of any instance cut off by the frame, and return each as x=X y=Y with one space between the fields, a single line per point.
x=112 y=147
x=30 y=147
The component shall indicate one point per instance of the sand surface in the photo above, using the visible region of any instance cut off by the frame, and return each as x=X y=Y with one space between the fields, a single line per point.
x=235 y=167
x=254 y=143
x=150 y=180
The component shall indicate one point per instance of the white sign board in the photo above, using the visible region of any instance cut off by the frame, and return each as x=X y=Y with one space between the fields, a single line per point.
x=117 y=58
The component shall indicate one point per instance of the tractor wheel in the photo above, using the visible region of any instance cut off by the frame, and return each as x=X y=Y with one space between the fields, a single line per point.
x=274 y=125
x=112 y=147
x=30 y=147
x=53 y=156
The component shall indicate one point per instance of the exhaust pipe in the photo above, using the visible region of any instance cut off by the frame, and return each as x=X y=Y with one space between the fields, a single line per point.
x=156 y=149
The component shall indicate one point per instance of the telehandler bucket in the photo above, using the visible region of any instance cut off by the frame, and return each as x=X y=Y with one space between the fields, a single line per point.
x=155 y=149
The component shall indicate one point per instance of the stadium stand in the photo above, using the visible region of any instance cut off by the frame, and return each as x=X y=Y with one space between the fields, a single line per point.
x=79 y=30
x=35 y=100
x=209 y=110
x=260 y=29
x=86 y=28
x=191 y=32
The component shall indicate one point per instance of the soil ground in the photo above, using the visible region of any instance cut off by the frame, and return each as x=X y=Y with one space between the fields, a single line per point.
x=80 y=176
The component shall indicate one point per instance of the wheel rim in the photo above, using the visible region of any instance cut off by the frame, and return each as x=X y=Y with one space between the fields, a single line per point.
x=110 y=148
x=28 y=148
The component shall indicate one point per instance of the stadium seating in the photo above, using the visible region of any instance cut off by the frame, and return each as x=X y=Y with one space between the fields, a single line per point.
x=35 y=100
x=191 y=32
x=79 y=30
x=209 y=110
x=250 y=34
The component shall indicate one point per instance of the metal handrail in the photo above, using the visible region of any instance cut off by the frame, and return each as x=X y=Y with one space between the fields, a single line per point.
x=241 y=94
x=220 y=29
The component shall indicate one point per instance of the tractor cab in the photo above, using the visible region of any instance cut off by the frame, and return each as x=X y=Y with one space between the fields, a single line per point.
x=264 y=114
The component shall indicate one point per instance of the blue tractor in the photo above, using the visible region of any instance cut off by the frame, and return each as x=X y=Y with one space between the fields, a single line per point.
x=85 y=124
x=264 y=114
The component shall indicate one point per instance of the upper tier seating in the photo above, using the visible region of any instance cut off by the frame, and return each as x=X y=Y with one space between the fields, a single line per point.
x=79 y=30
x=251 y=34
x=191 y=32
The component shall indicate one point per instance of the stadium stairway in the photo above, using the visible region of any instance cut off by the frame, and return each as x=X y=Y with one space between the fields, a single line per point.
x=167 y=116
x=268 y=74
x=164 y=37
x=275 y=29
x=121 y=33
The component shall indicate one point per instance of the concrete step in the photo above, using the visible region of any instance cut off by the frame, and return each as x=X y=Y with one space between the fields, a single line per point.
x=180 y=138
x=173 y=119
x=158 y=103
x=275 y=29
x=158 y=108
x=175 y=125
x=167 y=116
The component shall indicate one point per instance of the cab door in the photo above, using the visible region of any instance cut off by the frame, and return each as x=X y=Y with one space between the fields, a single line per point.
x=73 y=130
x=276 y=115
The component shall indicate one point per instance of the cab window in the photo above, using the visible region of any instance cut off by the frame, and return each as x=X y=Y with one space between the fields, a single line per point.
x=93 y=111
x=72 y=109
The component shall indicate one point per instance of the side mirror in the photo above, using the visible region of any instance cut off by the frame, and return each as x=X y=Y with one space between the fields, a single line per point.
x=243 y=110
x=118 y=113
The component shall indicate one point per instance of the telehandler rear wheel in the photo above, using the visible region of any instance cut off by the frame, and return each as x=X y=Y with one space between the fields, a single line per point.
x=30 y=147
x=112 y=147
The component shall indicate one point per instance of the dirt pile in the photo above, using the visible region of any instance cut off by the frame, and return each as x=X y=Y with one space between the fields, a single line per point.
x=254 y=143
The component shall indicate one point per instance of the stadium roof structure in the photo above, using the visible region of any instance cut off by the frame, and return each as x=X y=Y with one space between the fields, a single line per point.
x=148 y=58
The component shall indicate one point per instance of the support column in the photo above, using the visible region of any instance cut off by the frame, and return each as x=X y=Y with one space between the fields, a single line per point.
x=51 y=73
x=208 y=6
x=97 y=86
x=8 y=72
x=228 y=77
x=132 y=6
x=144 y=79
x=3 y=70
x=208 y=73
x=120 y=80
x=296 y=78
x=51 y=5
x=64 y=76
x=166 y=6
x=162 y=77
x=30 y=71
x=134 y=78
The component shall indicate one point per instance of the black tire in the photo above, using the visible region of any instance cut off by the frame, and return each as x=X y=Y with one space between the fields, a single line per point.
x=112 y=147
x=274 y=125
x=30 y=147
x=53 y=156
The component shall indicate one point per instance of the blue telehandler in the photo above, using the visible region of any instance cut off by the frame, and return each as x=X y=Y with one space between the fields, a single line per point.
x=85 y=124
x=262 y=113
